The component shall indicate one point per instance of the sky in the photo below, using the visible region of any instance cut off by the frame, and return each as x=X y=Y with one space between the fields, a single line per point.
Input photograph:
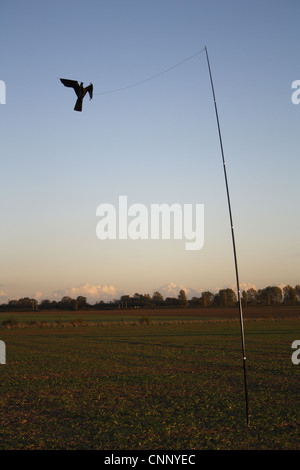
x=155 y=143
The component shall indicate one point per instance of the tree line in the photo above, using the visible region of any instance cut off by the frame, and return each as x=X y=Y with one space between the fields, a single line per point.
x=269 y=296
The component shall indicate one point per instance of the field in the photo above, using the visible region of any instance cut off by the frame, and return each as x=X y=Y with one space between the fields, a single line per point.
x=175 y=382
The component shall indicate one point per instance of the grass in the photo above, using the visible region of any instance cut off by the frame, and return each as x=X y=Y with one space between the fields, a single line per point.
x=149 y=386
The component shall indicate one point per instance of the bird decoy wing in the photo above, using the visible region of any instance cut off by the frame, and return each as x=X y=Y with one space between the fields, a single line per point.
x=71 y=84
x=89 y=90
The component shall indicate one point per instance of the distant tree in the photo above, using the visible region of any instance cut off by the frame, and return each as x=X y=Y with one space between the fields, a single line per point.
x=204 y=300
x=12 y=304
x=74 y=304
x=271 y=295
x=65 y=303
x=172 y=301
x=297 y=292
x=244 y=298
x=45 y=304
x=82 y=302
x=141 y=300
x=157 y=299
x=54 y=305
x=182 y=298
x=276 y=295
x=251 y=296
x=207 y=298
x=225 y=298
x=220 y=298
x=263 y=297
x=125 y=301
x=231 y=298
x=27 y=304
x=289 y=295
x=195 y=302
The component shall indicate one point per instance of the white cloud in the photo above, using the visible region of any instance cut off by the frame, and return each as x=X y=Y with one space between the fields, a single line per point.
x=172 y=290
x=91 y=292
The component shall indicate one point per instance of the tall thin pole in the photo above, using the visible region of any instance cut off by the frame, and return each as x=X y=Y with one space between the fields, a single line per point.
x=234 y=249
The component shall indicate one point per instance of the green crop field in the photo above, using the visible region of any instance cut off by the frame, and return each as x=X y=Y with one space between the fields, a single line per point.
x=163 y=385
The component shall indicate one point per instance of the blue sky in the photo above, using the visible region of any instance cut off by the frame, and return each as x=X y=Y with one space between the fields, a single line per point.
x=155 y=143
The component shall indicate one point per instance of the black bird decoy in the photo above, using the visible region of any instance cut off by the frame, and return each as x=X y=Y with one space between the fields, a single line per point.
x=79 y=90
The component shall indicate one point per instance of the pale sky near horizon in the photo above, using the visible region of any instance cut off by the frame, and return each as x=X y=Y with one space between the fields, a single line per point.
x=154 y=143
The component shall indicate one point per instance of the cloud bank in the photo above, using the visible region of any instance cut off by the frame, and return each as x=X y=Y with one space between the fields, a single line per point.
x=93 y=293
x=172 y=290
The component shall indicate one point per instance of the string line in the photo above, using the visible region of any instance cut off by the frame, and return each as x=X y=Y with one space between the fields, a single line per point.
x=153 y=76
